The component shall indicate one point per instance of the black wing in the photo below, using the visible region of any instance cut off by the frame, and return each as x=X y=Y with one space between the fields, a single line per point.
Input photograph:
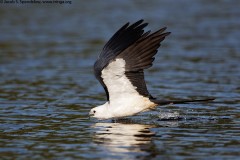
x=140 y=56
x=121 y=40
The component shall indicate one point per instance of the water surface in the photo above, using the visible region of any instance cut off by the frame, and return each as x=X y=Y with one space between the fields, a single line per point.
x=47 y=86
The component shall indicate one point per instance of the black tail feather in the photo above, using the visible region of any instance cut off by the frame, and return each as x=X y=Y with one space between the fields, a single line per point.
x=163 y=102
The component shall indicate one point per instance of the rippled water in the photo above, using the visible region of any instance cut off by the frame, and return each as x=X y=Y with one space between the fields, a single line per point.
x=47 y=86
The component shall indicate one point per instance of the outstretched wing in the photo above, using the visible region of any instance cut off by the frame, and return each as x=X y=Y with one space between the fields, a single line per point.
x=122 y=39
x=120 y=65
x=140 y=56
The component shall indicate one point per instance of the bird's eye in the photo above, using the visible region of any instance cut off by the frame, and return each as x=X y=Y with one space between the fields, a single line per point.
x=94 y=111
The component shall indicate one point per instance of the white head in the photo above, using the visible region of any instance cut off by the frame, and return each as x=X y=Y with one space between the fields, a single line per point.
x=100 y=112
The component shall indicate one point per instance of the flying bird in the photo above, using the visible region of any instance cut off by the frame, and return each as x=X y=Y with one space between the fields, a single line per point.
x=120 y=70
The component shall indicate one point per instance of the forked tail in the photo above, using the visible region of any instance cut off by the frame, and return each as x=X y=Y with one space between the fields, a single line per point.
x=163 y=102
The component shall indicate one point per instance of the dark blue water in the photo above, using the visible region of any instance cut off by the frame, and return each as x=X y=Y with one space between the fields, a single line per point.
x=47 y=86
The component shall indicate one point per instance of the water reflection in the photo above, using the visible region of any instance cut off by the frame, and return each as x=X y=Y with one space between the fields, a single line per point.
x=119 y=138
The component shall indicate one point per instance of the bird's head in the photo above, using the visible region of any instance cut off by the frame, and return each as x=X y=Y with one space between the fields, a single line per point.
x=100 y=112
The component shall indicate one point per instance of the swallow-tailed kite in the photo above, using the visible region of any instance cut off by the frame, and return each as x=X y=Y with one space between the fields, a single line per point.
x=120 y=70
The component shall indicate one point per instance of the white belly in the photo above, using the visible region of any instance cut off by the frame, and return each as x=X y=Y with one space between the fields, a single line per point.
x=130 y=106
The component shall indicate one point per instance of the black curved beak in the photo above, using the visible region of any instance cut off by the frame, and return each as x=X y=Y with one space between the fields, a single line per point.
x=90 y=115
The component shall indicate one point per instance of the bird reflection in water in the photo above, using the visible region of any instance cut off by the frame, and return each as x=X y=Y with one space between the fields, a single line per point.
x=121 y=138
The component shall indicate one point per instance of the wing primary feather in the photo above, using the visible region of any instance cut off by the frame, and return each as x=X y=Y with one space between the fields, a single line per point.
x=141 y=54
x=136 y=24
x=116 y=35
